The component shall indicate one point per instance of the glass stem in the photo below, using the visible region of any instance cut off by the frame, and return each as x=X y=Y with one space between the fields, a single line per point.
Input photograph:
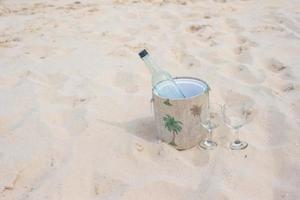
x=151 y=105
x=237 y=134
x=209 y=135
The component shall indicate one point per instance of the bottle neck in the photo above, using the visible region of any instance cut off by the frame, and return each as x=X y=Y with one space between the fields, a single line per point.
x=151 y=65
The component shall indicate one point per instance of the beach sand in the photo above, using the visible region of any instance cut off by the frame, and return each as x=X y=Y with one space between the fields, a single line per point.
x=75 y=115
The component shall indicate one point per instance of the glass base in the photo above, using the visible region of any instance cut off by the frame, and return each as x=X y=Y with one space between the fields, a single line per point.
x=238 y=145
x=208 y=144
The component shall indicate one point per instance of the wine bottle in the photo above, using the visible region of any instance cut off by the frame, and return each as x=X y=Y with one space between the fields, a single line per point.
x=169 y=87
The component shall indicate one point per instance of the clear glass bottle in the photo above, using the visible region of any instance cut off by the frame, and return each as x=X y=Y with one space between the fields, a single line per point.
x=169 y=88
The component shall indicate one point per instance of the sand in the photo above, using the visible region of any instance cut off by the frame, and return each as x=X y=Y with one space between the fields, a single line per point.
x=75 y=117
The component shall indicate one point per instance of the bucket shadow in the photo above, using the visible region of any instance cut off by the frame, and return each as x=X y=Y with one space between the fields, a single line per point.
x=143 y=128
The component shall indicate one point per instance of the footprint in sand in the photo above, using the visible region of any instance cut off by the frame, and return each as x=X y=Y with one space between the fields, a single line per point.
x=289 y=87
x=189 y=61
x=284 y=84
x=23 y=9
x=243 y=50
x=198 y=28
x=8 y=41
x=205 y=32
x=276 y=66
x=93 y=10
x=267 y=28
x=289 y=24
x=54 y=80
x=244 y=73
x=243 y=54
x=242 y=40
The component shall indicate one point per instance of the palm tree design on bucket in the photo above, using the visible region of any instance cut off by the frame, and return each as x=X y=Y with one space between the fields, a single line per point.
x=167 y=102
x=196 y=110
x=173 y=127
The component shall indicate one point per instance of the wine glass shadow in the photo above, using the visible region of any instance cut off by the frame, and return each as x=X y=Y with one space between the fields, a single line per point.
x=143 y=128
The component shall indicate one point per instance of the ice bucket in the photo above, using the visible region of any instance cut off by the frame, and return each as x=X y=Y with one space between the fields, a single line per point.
x=178 y=120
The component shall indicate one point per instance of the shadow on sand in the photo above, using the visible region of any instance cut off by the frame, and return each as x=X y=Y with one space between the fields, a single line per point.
x=141 y=127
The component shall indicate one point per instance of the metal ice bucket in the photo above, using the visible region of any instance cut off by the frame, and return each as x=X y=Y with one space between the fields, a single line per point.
x=178 y=120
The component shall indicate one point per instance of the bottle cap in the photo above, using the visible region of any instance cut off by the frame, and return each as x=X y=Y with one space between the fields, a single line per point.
x=143 y=53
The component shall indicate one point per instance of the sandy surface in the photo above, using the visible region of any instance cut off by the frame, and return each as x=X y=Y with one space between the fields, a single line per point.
x=75 y=118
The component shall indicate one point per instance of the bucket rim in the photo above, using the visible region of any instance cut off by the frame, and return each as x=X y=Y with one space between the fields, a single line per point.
x=189 y=98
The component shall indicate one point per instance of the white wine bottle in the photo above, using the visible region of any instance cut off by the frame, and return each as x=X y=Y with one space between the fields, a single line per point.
x=169 y=88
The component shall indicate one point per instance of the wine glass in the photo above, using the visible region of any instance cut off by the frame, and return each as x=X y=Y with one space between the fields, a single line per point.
x=235 y=116
x=210 y=120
